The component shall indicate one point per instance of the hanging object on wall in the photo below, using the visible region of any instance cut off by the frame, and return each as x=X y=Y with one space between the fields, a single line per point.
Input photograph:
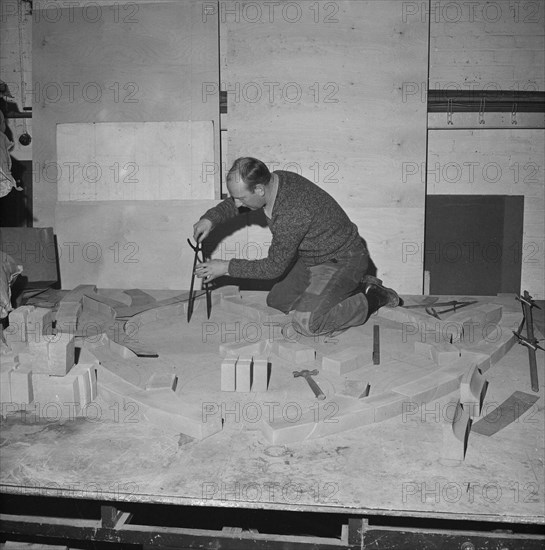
x=481 y=110
x=449 y=112
x=25 y=139
x=514 y=114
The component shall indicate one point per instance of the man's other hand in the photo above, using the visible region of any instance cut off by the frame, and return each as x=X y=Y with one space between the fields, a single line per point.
x=201 y=229
x=210 y=270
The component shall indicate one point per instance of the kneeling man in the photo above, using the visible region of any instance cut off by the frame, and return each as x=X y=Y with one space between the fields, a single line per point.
x=316 y=252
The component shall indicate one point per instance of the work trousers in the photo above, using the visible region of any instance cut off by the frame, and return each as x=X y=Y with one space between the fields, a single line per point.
x=324 y=296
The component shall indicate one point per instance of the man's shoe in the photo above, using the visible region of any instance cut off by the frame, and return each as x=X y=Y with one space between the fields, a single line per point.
x=379 y=295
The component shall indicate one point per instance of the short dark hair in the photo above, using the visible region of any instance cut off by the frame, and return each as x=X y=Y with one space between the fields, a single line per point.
x=252 y=171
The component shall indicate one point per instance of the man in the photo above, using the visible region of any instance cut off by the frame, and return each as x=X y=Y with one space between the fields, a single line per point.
x=316 y=250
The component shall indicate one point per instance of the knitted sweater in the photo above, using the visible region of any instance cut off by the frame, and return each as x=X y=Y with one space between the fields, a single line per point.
x=305 y=222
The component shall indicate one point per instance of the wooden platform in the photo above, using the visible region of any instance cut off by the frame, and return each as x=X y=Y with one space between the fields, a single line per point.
x=391 y=467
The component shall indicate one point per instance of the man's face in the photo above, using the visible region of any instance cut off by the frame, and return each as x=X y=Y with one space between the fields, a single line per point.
x=243 y=196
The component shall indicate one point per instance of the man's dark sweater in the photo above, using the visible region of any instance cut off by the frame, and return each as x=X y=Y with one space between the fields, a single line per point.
x=305 y=222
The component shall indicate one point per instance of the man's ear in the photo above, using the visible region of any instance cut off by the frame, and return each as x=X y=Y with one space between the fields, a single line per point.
x=260 y=190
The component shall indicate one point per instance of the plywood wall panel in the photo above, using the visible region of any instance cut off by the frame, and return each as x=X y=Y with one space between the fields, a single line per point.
x=119 y=161
x=487 y=45
x=497 y=162
x=328 y=98
x=127 y=244
x=144 y=65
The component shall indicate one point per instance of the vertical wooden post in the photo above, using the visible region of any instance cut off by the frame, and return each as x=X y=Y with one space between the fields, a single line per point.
x=527 y=308
x=376 y=345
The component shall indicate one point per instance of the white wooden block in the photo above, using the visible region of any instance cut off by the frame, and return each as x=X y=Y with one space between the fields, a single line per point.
x=85 y=376
x=456 y=434
x=228 y=290
x=58 y=396
x=228 y=374
x=242 y=348
x=260 y=375
x=39 y=322
x=295 y=352
x=442 y=353
x=17 y=329
x=76 y=295
x=162 y=381
x=343 y=361
x=244 y=374
x=21 y=385
x=61 y=352
x=66 y=317
x=473 y=388
x=232 y=304
x=5 y=386
x=39 y=349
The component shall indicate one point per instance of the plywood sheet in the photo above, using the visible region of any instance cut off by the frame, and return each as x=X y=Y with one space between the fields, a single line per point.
x=332 y=102
x=138 y=63
x=135 y=160
x=127 y=244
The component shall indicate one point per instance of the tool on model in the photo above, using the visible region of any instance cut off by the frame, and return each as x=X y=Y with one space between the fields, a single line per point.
x=430 y=307
x=530 y=341
x=191 y=302
x=307 y=375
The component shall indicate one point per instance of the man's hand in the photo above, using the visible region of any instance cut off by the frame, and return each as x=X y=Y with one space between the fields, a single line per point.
x=210 y=270
x=201 y=229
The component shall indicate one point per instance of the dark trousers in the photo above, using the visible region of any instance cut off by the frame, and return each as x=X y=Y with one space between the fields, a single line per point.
x=324 y=296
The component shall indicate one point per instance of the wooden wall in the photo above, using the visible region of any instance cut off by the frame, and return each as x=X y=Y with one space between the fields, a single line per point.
x=334 y=90
x=124 y=62
x=318 y=88
x=491 y=46
x=16 y=67
x=497 y=162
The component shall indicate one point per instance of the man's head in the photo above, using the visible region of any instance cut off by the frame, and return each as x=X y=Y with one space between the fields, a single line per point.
x=247 y=182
